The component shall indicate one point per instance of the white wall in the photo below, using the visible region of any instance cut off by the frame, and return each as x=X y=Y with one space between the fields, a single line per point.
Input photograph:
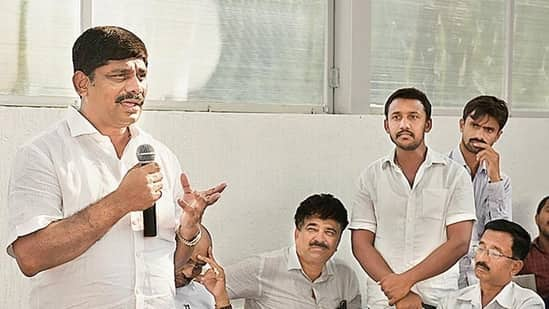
x=272 y=162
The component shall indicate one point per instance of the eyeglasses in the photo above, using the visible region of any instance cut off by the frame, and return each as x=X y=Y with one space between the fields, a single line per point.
x=493 y=253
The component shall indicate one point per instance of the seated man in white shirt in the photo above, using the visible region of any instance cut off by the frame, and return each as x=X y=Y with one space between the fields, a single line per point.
x=498 y=257
x=299 y=277
x=189 y=293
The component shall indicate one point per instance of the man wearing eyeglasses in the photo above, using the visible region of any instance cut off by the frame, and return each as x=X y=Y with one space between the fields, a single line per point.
x=498 y=257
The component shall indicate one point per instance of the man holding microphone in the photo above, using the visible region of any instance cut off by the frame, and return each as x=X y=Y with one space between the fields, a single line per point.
x=77 y=192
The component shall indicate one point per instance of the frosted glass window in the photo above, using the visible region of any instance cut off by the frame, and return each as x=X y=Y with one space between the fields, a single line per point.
x=531 y=56
x=452 y=50
x=229 y=51
x=35 y=48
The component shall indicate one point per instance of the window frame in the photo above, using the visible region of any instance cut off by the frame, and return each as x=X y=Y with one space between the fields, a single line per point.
x=86 y=21
x=352 y=55
x=347 y=52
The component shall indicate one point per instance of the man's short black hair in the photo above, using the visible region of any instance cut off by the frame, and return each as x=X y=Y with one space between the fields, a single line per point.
x=541 y=204
x=96 y=46
x=412 y=94
x=521 y=238
x=483 y=105
x=323 y=206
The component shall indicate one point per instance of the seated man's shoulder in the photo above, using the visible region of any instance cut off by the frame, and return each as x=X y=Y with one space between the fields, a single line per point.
x=342 y=268
x=526 y=297
x=466 y=294
x=261 y=258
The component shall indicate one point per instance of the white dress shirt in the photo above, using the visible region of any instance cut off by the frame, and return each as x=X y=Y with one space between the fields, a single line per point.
x=410 y=222
x=276 y=280
x=193 y=296
x=492 y=201
x=512 y=296
x=64 y=170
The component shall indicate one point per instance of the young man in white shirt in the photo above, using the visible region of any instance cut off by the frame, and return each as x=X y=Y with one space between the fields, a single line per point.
x=499 y=256
x=481 y=127
x=413 y=213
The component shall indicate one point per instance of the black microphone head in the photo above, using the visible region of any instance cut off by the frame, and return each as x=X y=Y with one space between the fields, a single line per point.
x=145 y=153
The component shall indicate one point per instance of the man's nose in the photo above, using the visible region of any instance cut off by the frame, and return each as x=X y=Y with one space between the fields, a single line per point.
x=404 y=123
x=319 y=237
x=481 y=256
x=134 y=85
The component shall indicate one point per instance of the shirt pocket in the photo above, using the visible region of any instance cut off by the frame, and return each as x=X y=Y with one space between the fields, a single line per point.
x=434 y=203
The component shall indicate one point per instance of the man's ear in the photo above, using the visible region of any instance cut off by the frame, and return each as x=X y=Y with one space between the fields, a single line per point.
x=295 y=233
x=461 y=125
x=386 y=125
x=517 y=266
x=80 y=82
x=428 y=125
x=499 y=135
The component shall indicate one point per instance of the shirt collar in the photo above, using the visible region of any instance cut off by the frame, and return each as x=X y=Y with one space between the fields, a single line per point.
x=505 y=296
x=431 y=158
x=473 y=295
x=457 y=156
x=80 y=125
x=535 y=243
x=294 y=264
x=470 y=295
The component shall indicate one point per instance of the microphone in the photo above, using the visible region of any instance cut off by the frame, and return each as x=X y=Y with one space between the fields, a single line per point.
x=145 y=154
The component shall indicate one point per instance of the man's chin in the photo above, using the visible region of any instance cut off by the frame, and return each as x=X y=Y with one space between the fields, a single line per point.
x=472 y=148
x=408 y=147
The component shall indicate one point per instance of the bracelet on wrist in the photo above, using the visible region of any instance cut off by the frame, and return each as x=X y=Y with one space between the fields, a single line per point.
x=189 y=243
x=229 y=306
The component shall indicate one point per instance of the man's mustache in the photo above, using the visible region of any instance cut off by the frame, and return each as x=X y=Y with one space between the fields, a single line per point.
x=129 y=96
x=318 y=244
x=405 y=132
x=483 y=265
x=476 y=140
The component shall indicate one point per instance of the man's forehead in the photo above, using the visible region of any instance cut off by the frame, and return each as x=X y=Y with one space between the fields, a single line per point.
x=129 y=63
x=497 y=239
x=484 y=120
x=316 y=221
x=404 y=104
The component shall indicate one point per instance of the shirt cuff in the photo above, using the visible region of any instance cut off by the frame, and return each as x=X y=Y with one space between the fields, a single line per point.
x=362 y=225
x=460 y=218
x=32 y=225
x=496 y=191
